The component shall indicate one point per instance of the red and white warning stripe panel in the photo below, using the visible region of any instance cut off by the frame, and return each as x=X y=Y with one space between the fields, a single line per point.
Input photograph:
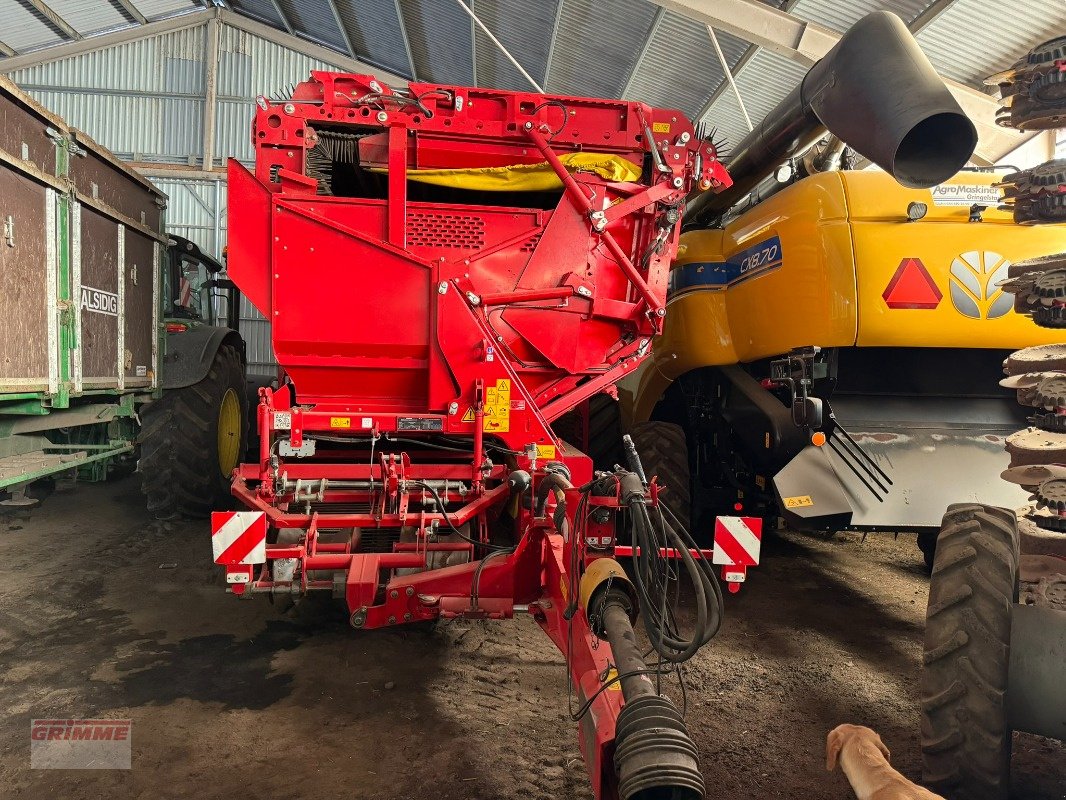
x=238 y=537
x=737 y=541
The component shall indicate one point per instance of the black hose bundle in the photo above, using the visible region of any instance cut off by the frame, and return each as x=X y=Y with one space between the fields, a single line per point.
x=657 y=581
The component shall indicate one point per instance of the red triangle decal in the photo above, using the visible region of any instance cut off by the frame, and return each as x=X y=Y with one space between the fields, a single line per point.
x=912 y=287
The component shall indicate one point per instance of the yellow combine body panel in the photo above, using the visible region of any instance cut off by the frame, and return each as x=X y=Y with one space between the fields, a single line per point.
x=833 y=261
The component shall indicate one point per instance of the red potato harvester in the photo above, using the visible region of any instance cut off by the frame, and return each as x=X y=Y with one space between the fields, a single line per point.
x=447 y=271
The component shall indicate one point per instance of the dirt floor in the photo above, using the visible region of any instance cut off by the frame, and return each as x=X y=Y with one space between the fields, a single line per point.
x=104 y=614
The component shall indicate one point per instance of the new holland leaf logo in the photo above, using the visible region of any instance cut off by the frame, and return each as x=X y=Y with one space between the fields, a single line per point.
x=973 y=280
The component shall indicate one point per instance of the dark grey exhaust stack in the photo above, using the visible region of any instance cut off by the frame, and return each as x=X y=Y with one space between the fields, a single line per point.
x=875 y=90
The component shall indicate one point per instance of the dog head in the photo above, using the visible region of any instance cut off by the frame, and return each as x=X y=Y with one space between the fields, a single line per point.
x=842 y=734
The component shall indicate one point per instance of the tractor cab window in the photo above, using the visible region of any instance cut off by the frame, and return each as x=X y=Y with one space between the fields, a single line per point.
x=191 y=293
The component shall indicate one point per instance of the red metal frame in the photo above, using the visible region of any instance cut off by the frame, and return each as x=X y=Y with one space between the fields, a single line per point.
x=467 y=326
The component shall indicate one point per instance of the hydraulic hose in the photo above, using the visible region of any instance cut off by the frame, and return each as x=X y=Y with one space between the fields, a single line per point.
x=652 y=578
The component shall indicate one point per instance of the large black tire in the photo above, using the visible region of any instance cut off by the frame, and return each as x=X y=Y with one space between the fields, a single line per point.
x=604 y=431
x=966 y=743
x=181 y=446
x=663 y=452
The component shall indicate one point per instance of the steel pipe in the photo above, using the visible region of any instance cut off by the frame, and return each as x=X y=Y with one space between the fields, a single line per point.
x=877 y=92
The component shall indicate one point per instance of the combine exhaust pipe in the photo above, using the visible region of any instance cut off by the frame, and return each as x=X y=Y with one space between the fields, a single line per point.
x=876 y=91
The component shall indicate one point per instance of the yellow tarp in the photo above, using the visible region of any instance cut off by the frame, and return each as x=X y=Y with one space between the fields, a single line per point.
x=528 y=177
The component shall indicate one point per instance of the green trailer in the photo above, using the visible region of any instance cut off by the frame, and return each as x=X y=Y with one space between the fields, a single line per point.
x=89 y=281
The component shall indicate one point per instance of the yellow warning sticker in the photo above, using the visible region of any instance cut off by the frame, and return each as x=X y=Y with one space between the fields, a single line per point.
x=469 y=415
x=660 y=127
x=798 y=502
x=546 y=451
x=498 y=407
x=615 y=685
x=340 y=422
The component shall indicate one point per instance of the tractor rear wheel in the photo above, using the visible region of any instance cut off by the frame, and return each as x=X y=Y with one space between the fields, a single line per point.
x=663 y=451
x=966 y=742
x=192 y=439
x=604 y=434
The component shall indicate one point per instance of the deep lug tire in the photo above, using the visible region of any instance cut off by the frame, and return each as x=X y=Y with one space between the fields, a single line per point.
x=186 y=435
x=663 y=451
x=604 y=431
x=966 y=743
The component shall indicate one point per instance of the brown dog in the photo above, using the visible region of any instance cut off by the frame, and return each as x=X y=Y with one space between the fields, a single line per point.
x=864 y=759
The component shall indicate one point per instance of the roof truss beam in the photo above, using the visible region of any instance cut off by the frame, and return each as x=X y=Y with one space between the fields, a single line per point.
x=281 y=15
x=57 y=21
x=643 y=52
x=131 y=11
x=406 y=40
x=930 y=14
x=340 y=26
x=762 y=25
x=551 y=43
x=805 y=42
x=130 y=34
x=5 y=50
x=300 y=45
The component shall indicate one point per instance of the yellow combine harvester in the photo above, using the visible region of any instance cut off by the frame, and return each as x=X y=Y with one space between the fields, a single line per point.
x=827 y=353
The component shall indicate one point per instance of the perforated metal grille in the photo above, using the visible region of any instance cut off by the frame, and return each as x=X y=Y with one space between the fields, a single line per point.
x=463 y=232
x=378 y=540
x=530 y=244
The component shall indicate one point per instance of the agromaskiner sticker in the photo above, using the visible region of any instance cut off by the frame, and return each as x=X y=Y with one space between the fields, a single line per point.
x=80 y=743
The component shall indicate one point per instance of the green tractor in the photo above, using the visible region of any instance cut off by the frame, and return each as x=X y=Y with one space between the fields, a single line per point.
x=203 y=409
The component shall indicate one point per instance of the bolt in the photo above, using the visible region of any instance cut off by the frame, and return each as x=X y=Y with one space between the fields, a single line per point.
x=684 y=137
x=528 y=126
x=359 y=618
x=677 y=156
x=442 y=287
x=407 y=617
x=383 y=117
x=584 y=291
x=394 y=594
x=660 y=312
x=679 y=182
x=453 y=408
x=375 y=86
x=410 y=591
x=290 y=108
x=598 y=215
x=392 y=620
x=473 y=298
x=599 y=224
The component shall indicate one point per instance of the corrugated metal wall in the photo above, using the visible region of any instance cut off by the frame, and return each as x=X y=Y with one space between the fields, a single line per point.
x=145 y=102
x=159 y=82
x=142 y=100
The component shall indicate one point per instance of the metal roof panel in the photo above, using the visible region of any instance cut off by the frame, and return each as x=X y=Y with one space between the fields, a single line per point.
x=376 y=33
x=525 y=29
x=680 y=69
x=89 y=16
x=441 y=37
x=595 y=59
x=974 y=38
